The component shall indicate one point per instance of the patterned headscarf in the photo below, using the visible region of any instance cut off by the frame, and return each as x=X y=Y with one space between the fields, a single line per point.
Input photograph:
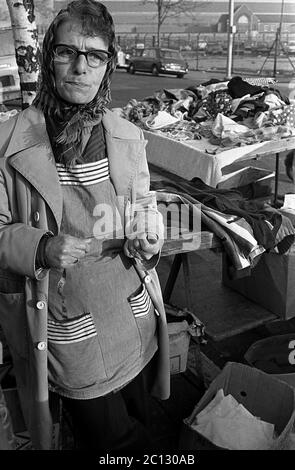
x=71 y=122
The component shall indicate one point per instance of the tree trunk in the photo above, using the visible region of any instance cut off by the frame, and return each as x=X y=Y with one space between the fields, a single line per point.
x=27 y=49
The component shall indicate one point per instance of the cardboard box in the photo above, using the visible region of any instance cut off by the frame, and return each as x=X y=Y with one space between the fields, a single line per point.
x=279 y=348
x=264 y=396
x=271 y=283
x=250 y=181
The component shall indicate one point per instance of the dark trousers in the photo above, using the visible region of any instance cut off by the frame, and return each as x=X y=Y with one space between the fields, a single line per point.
x=118 y=421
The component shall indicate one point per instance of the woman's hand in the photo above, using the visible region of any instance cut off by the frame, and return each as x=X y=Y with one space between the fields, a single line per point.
x=63 y=251
x=143 y=247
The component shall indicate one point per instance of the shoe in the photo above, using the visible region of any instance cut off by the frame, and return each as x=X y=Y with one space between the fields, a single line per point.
x=289 y=165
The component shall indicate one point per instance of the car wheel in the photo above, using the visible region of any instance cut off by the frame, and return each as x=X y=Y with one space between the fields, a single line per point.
x=131 y=69
x=180 y=75
x=155 y=71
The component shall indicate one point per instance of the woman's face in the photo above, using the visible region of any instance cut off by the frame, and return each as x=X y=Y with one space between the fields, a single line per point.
x=77 y=82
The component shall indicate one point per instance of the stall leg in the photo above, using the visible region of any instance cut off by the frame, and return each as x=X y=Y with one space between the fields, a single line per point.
x=187 y=282
x=275 y=201
x=172 y=277
x=179 y=259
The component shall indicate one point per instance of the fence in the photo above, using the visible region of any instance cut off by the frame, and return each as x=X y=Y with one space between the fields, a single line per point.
x=205 y=51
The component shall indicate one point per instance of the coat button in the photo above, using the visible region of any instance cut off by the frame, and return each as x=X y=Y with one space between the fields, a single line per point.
x=41 y=345
x=36 y=216
x=40 y=305
x=147 y=279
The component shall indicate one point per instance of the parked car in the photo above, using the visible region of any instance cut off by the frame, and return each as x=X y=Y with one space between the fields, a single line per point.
x=291 y=47
x=214 y=48
x=262 y=48
x=238 y=48
x=200 y=46
x=9 y=79
x=158 y=60
x=121 y=64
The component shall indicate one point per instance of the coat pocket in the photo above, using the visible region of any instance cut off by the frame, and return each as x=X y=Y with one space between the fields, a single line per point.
x=140 y=303
x=143 y=311
x=75 y=356
x=13 y=322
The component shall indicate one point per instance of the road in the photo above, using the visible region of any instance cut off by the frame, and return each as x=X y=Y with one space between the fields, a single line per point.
x=140 y=85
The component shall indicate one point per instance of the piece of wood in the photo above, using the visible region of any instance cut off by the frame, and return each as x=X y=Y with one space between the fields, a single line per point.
x=196 y=241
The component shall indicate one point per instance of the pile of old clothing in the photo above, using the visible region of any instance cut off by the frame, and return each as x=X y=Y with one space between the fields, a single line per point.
x=254 y=109
x=167 y=112
x=246 y=228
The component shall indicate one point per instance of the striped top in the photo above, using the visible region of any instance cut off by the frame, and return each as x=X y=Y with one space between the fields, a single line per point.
x=141 y=303
x=84 y=174
x=72 y=331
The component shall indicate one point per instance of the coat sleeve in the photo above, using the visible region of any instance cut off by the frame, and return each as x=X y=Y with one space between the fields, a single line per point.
x=18 y=241
x=143 y=215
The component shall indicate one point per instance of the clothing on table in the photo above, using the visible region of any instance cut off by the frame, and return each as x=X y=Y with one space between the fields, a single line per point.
x=250 y=228
x=237 y=88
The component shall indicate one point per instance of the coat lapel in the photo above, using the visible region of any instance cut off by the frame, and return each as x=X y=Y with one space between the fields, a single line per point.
x=124 y=149
x=30 y=153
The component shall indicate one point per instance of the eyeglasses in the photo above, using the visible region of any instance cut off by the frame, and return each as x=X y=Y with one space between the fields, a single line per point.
x=67 y=54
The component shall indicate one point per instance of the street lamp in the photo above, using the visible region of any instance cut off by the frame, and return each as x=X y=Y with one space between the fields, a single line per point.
x=230 y=39
x=278 y=40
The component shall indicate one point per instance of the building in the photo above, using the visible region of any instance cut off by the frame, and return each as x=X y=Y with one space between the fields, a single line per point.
x=256 y=20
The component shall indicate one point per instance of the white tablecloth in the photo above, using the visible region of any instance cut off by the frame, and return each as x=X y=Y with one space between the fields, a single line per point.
x=189 y=158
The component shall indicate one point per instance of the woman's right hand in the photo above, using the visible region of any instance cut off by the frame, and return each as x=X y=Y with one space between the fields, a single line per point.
x=63 y=251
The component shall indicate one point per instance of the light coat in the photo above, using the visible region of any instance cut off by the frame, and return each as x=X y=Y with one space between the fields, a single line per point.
x=30 y=206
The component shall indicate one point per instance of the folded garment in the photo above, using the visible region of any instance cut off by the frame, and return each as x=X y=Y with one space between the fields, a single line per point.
x=273 y=101
x=261 y=81
x=224 y=127
x=161 y=119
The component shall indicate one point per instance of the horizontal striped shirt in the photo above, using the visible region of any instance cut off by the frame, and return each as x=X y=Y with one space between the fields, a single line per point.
x=84 y=174
x=141 y=303
x=71 y=331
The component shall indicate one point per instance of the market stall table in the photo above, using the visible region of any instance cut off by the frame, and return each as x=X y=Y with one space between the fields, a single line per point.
x=196 y=158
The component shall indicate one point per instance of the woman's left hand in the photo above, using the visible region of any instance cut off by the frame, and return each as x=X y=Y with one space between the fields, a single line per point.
x=143 y=247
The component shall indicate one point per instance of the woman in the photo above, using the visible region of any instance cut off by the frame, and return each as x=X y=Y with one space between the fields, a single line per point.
x=80 y=302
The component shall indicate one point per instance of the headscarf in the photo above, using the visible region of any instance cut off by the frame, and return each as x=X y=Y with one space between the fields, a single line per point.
x=69 y=123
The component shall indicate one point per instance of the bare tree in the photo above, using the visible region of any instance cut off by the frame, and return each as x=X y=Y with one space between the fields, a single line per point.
x=27 y=49
x=44 y=11
x=173 y=8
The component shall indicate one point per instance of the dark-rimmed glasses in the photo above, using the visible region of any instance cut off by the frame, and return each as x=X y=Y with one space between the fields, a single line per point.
x=67 y=54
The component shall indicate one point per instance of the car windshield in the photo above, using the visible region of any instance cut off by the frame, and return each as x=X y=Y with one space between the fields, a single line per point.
x=171 y=55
